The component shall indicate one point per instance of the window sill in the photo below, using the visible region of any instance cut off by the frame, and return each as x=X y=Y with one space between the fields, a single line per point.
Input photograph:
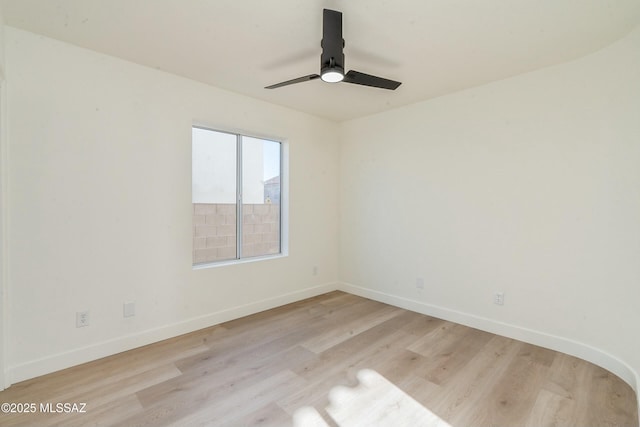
x=216 y=264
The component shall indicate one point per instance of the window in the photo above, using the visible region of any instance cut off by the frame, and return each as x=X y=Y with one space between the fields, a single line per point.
x=236 y=196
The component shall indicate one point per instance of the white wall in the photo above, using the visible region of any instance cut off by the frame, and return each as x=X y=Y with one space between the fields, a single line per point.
x=100 y=205
x=529 y=185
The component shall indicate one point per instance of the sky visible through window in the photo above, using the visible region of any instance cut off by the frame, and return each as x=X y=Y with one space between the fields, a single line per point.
x=271 y=151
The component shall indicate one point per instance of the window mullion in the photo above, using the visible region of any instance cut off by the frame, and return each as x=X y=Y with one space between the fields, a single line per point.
x=239 y=196
x=281 y=157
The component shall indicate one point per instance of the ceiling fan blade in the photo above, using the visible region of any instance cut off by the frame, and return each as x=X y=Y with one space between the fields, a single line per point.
x=294 y=81
x=359 y=78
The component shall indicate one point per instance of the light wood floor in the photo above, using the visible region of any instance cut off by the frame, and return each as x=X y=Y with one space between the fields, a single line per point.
x=272 y=367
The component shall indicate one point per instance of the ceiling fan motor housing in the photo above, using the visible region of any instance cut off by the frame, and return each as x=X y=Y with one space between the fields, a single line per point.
x=332 y=58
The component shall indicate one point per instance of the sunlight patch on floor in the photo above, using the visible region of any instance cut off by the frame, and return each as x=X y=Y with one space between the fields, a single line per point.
x=373 y=402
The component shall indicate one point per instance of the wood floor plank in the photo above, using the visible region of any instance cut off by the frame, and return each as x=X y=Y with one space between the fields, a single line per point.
x=460 y=400
x=336 y=366
x=347 y=354
x=105 y=415
x=511 y=399
x=103 y=372
x=266 y=369
x=551 y=410
x=567 y=377
x=342 y=331
x=271 y=415
x=606 y=408
x=376 y=401
x=205 y=386
x=256 y=350
x=458 y=353
x=439 y=341
x=419 y=325
x=103 y=395
x=224 y=410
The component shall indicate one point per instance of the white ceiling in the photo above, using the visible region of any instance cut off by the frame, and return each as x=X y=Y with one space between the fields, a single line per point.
x=433 y=46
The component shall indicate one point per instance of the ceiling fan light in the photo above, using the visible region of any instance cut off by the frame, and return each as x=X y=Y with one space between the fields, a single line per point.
x=332 y=76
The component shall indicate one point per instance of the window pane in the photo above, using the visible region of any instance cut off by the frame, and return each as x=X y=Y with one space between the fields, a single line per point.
x=213 y=195
x=260 y=197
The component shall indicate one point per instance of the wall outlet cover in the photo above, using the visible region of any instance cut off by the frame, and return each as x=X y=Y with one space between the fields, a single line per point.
x=82 y=319
x=129 y=309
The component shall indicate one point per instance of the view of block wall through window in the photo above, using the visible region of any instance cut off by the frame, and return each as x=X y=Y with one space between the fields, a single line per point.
x=216 y=185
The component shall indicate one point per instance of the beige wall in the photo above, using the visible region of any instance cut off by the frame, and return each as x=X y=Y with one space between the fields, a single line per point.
x=529 y=186
x=101 y=210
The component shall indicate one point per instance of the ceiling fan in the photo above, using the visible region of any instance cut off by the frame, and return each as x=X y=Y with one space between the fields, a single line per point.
x=332 y=59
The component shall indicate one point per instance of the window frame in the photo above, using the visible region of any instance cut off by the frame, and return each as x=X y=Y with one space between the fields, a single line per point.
x=283 y=202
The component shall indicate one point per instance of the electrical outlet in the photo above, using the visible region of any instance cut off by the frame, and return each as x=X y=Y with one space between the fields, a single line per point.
x=420 y=283
x=498 y=298
x=315 y=270
x=129 y=309
x=82 y=319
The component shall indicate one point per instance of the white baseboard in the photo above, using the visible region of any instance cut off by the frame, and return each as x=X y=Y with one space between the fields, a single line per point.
x=96 y=351
x=553 y=342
